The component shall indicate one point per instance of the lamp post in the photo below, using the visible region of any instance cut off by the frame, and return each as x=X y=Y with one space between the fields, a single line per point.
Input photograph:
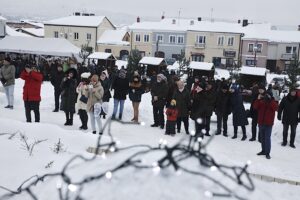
x=255 y=48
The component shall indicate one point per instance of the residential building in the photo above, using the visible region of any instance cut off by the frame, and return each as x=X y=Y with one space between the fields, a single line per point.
x=2 y=27
x=79 y=30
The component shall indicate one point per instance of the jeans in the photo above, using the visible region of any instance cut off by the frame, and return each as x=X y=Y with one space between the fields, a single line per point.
x=222 y=119
x=158 y=115
x=35 y=106
x=116 y=105
x=9 y=92
x=254 y=127
x=185 y=122
x=265 y=137
x=57 y=92
x=94 y=119
x=293 y=133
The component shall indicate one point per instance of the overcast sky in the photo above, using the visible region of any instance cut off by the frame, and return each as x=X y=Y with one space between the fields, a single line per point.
x=274 y=11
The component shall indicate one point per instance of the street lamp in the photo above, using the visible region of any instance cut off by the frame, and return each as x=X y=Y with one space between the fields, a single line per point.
x=255 y=48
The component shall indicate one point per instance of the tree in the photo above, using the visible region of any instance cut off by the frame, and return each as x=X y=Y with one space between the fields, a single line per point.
x=133 y=61
x=183 y=63
x=293 y=71
x=85 y=51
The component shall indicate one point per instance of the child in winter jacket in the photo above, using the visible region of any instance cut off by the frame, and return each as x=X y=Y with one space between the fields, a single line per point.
x=171 y=113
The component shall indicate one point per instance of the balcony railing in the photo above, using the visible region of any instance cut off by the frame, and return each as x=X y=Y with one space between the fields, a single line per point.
x=287 y=56
x=200 y=45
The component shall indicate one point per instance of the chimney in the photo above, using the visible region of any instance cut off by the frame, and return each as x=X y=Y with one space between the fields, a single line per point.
x=192 y=22
x=92 y=14
x=162 y=17
x=199 y=19
x=245 y=22
x=174 y=21
x=239 y=21
x=77 y=13
x=298 y=27
x=138 y=19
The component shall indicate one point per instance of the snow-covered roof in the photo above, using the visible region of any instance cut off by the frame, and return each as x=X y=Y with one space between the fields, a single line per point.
x=255 y=71
x=39 y=46
x=175 y=66
x=39 y=32
x=38 y=24
x=114 y=37
x=2 y=18
x=221 y=73
x=91 y=21
x=11 y=32
x=151 y=61
x=201 y=65
x=183 y=25
x=100 y=55
x=121 y=63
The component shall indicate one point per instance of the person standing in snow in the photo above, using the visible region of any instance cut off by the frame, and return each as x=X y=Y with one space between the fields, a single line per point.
x=56 y=78
x=82 y=98
x=121 y=87
x=172 y=114
x=106 y=83
x=7 y=77
x=159 y=92
x=266 y=107
x=255 y=91
x=210 y=97
x=95 y=95
x=32 y=92
x=135 y=95
x=289 y=114
x=68 y=95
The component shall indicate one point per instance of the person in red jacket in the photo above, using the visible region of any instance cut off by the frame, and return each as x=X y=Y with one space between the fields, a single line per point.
x=32 y=92
x=171 y=113
x=266 y=107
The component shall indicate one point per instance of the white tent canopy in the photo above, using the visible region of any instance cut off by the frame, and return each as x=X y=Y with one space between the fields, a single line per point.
x=255 y=71
x=101 y=56
x=151 y=61
x=39 y=46
x=201 y=66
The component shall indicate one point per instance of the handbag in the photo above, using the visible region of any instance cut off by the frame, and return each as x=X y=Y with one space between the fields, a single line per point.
x=83 y=98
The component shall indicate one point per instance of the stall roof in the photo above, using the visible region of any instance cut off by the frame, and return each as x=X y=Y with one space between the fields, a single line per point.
x=201 y=65
x=101 y=55
x=151 y=61
x=121 y=63
x=39 y=46
x=255 y=71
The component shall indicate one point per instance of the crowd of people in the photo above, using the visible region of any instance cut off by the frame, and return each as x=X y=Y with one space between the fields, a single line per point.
x=88 y=92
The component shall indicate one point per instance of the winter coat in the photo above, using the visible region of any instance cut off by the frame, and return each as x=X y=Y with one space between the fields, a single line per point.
x=95 y=97
x=182 y=102
x=106 y=86
x=239 y=116
x=135 y=91
x=161 y=91
x=32 y=85
x=68 y=94
x=82 y=90
x=7 y=73
x=211 y=100
x=56 y=78
x=199 y=105
x=121 y=87
x=172 y=114
x=223 y=103
x=266 y=111
x=289 y=110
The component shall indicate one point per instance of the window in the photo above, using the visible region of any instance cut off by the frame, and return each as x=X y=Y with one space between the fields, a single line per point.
x=180 y=39
x=107 y=50
x=172 y=39
x=76 y=36
x=198 y=58
x=88 y=36
x=291 y=50
x=221 y=41
x=230 y=41
x=160 y=38
x=146 y=38
x=137 y=37
x=250 y=62
x=250 y=47
x=259 y=48
x=200 y=39
x=56 y=34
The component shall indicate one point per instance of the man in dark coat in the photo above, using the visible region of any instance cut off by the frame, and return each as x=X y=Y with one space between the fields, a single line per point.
x=223 y=109
x=56 y=79
x=121 y=87
x=255 y=90
x=159 y=92
x=210 y=105
x=32 y=92
x=182 y=97
x=289 y=114
x=69 y=95
x=266 y=107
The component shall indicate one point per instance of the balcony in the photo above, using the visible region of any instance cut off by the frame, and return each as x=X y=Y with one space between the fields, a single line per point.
x=199 y=45
x=287 y=56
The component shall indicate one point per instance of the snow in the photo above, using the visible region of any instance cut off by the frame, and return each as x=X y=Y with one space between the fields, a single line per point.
x=256 y=71
x=90 y=21
x=201 y=65
x=174 y=67
x=151 y=60
x=121 y=63
x=17 y=165
x=38 y=24
x=3 y=18
x=12 y=32
x=113 y=37
x=39 y=46
x=221 y=73
x=100 y=55
x=39 y=32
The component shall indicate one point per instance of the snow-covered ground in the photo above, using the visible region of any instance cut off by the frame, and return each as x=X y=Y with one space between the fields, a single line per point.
x=16 y=165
